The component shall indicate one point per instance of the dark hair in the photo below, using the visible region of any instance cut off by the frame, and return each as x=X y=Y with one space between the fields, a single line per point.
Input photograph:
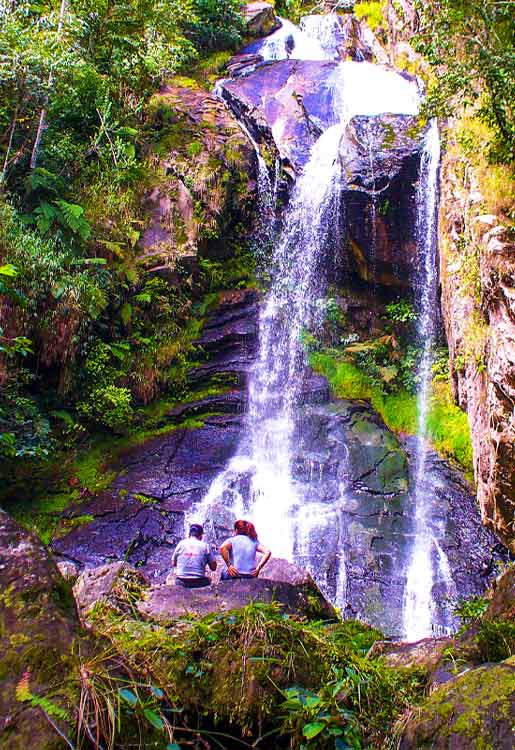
x=246 y=528
x=196 y=529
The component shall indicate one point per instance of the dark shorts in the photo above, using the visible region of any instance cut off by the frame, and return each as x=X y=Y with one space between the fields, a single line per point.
x=193 y=583
x=226 y=577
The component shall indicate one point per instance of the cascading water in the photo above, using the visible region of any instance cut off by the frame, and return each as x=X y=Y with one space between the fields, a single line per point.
x=259 y=482
x=427 y=559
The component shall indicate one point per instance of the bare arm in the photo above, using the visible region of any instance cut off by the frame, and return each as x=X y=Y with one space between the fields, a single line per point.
x=266 y=555
x=225 y=551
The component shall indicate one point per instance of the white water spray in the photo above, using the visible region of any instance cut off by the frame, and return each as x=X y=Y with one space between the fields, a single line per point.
x=427 y=557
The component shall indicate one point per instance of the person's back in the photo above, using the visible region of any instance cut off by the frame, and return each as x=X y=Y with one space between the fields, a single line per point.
x=240 y=551
x=190 y=559
x=243 y=553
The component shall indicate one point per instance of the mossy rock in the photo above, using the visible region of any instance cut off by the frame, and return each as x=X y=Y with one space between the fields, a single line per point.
x=473 y=712
x=38 y=630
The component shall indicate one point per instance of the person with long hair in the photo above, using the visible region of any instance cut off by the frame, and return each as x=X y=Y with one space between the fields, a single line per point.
x=240 y=552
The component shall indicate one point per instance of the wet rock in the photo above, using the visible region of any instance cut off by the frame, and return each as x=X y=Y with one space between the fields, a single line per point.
x=39 y=626
x=141 y=518
x=284 y=103
x=380 y=159
x=473 y=712
x=260 y=18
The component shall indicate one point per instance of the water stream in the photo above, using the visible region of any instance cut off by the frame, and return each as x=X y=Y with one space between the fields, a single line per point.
x=427 y=560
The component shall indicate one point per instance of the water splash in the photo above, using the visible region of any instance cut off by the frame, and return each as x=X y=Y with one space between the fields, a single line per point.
x=427 y=559
x=291 y=42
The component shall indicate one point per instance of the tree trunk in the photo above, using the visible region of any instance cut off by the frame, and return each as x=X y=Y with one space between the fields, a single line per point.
x=9 y=145
x=42 y=116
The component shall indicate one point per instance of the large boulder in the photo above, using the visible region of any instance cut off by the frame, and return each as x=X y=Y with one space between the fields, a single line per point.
x=39 y=626
x=303 y=598
x=473 y=712
x=260 y=18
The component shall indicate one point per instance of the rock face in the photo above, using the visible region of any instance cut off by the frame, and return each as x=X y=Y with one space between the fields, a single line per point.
x=141 y=518
x=287 y=104
x=260 y=18
x=206 y=168
x=473 y=712
x=379 y=197
x=481 y=336
x=39 y=626
x=350 y=472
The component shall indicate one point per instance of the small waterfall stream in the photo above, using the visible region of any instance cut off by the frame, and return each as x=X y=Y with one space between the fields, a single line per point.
x=427 y=559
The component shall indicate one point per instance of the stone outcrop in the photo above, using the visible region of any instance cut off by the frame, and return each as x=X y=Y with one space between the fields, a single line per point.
x=380 y=159
x=478 y=300
x=38 y=628
x=260 y=18
x=473 y=712
x=287 y=104
x=206 y=168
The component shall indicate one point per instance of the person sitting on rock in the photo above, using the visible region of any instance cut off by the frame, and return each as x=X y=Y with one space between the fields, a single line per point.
x=240 y=553
x=190 y=559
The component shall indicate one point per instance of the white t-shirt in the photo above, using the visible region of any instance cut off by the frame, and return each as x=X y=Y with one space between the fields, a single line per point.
x=191 y=556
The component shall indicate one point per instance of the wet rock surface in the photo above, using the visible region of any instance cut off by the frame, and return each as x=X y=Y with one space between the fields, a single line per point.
x=380 y=158
x=351 y=474
x=288 y=104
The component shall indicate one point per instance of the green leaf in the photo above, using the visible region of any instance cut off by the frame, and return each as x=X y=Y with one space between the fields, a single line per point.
x=173 y=746
x=313 y=729
x=154 y=719
x=90 y=262
x=128 y=696
x=126 y=313
x=8 y=270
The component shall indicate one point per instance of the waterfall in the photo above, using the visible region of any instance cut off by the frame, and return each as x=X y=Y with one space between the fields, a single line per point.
x=260 y=483
x=427 y=558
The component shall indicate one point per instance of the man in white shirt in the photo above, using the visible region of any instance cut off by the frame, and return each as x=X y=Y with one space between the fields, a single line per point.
x=190 y=559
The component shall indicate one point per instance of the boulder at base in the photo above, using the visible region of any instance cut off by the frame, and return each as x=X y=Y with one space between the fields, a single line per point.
x=117 y=583
x=473 y=712
x=38 y=627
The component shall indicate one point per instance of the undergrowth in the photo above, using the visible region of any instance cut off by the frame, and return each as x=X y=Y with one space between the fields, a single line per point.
x=242 y=677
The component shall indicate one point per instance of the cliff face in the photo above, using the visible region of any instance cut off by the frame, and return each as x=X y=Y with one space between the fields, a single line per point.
x=478 y=303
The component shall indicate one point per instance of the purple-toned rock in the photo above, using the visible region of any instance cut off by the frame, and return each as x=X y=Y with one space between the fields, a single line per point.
x=260 y=18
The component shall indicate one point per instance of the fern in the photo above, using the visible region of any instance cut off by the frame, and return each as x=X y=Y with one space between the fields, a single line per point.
x=72 y=217
x=24 y=695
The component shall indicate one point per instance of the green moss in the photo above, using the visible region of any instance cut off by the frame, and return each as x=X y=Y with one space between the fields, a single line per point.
x=447 y=425
x=373 y=12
